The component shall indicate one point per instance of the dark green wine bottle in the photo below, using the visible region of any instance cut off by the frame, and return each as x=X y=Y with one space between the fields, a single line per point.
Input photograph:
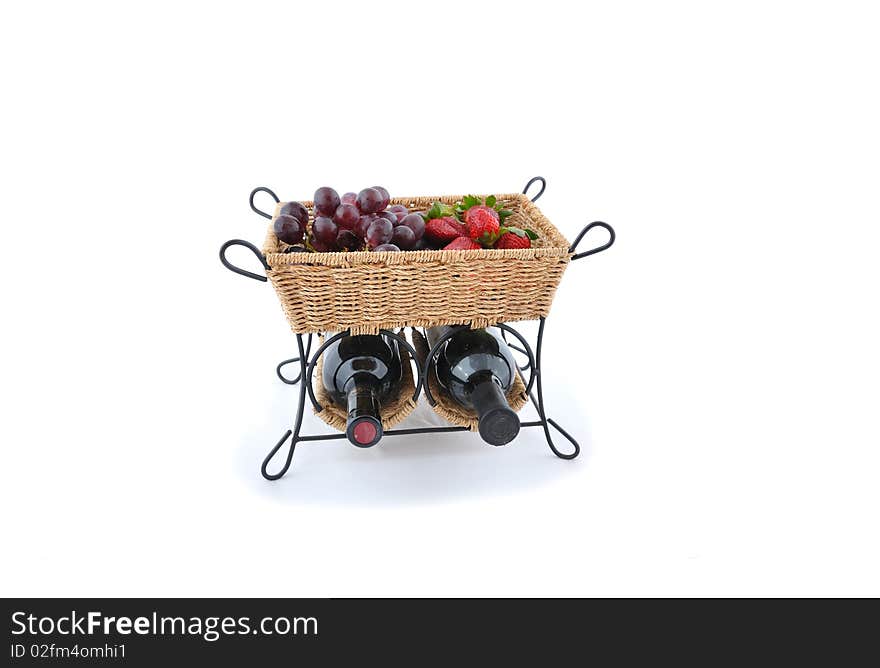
x=359 y=372
x=477 y=369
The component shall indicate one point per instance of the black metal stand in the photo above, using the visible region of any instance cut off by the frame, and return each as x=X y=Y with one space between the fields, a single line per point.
x=307 y=362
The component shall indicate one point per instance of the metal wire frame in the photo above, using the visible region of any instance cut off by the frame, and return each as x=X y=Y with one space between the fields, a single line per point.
x=307 y=367
x=284 y=363
x=534 y=385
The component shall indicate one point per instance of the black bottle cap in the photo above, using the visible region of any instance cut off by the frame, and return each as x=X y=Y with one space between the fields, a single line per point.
x=500 y=426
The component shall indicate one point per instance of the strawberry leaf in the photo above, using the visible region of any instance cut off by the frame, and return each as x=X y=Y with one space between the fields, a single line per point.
x=469 y=201
x=491 y=200
x=518 y=232
x=434 y=211
x=504 y=214
x=531 y=235
x=445 y=209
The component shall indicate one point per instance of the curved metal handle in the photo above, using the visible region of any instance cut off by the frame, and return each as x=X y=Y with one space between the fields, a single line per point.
x=238 y=270
x=262 y=189
x=597 y=249
x=529 y=185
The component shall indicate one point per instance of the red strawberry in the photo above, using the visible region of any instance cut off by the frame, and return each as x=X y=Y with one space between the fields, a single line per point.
x=443 y=230
x=462 y=243
x=513 y=240
x=482 y=223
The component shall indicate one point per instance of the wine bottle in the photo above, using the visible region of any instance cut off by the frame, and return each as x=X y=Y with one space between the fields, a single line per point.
x=359 y=372
x=476 y=367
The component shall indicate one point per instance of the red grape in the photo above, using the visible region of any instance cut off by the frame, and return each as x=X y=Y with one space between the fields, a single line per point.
x=346 y=216
x=403 y=237
x=325 y=230
x=288 y=229
x=416 y=223
x=319 y=245
x=399 y=210
x=379 y=232
x=389 y=216
x=386 y=247
x=347 y=240
x=296 y=210
x=360 y=227
x=326 y=200
x=370 y=200
x=386 y=198
x=349 y=198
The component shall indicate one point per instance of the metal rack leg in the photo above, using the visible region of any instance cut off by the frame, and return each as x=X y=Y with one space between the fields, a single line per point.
x=294 y=434
x=539 y=405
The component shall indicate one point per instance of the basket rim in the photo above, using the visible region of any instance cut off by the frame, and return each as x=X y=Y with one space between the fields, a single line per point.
x=557 y=248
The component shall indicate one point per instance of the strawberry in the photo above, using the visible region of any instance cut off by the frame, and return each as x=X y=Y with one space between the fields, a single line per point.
x=443 y=230
x=483 y=219
x=492 y=202
x=482 y=223
x=514 y=237
x=462 y=243
x=511 y=240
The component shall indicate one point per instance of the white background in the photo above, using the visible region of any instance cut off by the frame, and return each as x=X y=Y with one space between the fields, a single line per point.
x=719 y=364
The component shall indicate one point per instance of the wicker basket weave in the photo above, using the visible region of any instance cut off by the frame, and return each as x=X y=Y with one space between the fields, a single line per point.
x=367 y=291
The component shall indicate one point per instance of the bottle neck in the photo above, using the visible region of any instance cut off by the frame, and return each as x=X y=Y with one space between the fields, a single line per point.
x=498 y=423
x=364 y=423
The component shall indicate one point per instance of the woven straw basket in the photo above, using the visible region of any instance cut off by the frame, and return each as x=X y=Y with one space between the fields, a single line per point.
x=366 y=291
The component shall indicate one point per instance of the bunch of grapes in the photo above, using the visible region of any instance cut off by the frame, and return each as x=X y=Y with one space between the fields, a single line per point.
x=355 y=221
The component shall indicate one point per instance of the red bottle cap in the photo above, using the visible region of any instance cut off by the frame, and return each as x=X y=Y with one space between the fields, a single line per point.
x=364 y=432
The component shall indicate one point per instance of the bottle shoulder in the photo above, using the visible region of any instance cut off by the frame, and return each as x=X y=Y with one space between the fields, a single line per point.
x=368 y=357
x=475 y=351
